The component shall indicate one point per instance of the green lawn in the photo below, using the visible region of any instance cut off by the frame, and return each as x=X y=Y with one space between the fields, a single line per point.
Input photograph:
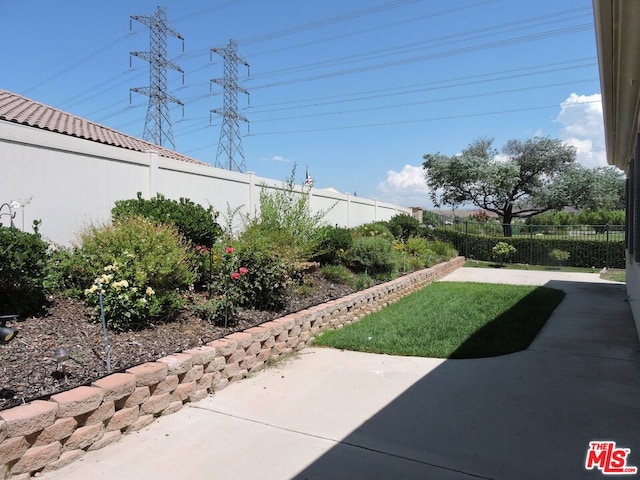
x=452 y=320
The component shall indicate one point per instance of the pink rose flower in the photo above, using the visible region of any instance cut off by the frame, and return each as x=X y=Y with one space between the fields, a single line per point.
x=235 y=275
x=229 y=250
x=243 y=271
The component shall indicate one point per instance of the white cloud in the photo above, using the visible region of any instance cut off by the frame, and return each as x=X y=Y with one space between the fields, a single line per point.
x=406 y=188
x=276 y=158
x=583 y=127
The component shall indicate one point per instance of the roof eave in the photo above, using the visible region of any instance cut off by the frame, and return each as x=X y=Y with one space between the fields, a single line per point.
x=618 y=41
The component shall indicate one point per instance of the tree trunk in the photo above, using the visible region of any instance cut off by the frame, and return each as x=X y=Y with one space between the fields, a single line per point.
x=507 y=217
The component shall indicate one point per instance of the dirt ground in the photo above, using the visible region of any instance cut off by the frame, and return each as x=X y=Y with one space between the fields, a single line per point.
x=29 y=371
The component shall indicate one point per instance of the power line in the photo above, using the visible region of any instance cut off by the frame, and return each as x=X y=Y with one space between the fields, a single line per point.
x=325 y=22
x=372 y=29
x=425 y=86
x=431 y=56
x=422 y=120
x=503 y=28
x=435 y=100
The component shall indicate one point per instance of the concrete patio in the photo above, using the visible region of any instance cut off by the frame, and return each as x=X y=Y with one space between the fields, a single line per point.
x=333 y=414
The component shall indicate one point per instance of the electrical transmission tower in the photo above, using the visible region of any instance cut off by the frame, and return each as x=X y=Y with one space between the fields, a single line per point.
x=157 y=127
x=230 y=154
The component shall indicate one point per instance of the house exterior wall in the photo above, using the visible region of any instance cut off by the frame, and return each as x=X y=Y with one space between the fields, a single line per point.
x=75 y=182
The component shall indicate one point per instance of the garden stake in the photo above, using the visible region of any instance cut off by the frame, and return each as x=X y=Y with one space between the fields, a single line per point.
x=105 y=338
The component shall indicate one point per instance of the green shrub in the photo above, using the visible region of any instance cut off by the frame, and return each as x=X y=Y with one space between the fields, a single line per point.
x=502 y=251
x=416 y=246
x=265 y=287
x=601 y=217
x=196 y=223
x=141 y=267
x=23 y=272
x=330 y=245
x=535 y=249
x=376 y=229
x=336 y=273
x=372 y=255
x=444 y=250
x=559 y=256
x=404 y=226
x=361 y=281
x=286 y=220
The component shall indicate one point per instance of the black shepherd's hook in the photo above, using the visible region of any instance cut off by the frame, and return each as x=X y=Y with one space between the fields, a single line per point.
x=11 y=213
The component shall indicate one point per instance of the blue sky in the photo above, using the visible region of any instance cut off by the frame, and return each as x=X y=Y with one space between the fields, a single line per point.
x=358 y=90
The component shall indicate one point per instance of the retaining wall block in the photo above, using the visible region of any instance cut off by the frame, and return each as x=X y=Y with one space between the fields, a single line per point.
x=206 y=381
x=84 y=436
x=149 y=373
x=198 y=395
x=221 y=385
x=139 y=396
x=269 y=342
x=77 y=401
x=243 y=339
x=107 y=439
x=238 y=376
x=142 y=422
x=202 y=355
x=192 y=375
x=275 y=328
x=100 y=414
x=216 y=365
x=259 y=365
x=230 y=370
x=248 y=362
x=156 y=403
x=182 y=392
x=61 y=429
x=65 y=459
x=123 y=418
x=254 y=348
x=236 y=356
x=116 y=386
x=263 y=355
x=37 y=457
x=168 y=385
x=259 y=333
x=172 y=408
x=12 y=449
x=27 y=419
x=224 y=346
x=177 y=363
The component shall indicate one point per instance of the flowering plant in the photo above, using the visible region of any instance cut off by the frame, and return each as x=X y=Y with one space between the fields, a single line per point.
x=127 y=298
x=229 y=283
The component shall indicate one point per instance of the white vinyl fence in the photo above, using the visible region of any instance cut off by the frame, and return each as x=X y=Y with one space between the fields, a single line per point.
x=74 y=182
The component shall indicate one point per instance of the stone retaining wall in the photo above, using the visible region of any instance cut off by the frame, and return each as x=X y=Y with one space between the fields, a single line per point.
x=45 y=435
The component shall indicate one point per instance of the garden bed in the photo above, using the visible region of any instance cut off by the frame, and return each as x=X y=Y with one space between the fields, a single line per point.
x=29 y=371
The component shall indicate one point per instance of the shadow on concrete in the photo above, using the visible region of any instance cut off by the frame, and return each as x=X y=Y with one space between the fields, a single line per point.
x=527 y=415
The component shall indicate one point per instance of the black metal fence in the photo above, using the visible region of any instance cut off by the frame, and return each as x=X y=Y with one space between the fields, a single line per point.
x=591 y=246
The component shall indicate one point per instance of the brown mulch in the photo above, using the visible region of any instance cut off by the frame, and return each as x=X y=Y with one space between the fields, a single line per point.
x=28 y=370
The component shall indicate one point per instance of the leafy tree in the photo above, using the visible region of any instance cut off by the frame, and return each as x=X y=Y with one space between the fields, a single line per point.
x=527 y=178
x=598 y=189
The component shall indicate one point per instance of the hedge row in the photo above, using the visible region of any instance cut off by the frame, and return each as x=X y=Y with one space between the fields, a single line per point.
x=535 y=251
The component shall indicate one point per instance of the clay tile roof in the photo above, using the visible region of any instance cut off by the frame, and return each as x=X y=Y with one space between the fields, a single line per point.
x=18 y=109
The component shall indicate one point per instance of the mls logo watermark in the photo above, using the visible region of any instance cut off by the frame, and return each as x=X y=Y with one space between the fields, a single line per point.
x=609 y=459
